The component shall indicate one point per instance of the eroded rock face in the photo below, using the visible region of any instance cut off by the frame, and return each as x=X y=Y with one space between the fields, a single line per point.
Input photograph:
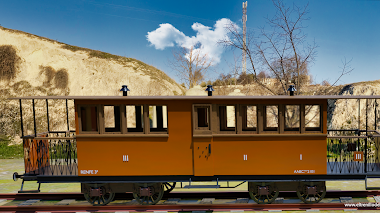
x=49 y=64
x=37 y=66
x=345 y=113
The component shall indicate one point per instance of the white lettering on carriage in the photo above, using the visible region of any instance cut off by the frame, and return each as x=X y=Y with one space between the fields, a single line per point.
x=304 y=171
x=88 y=172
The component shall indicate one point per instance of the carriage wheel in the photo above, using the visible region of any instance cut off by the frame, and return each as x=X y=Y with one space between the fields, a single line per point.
x=307 y=197
x=150 y=200
x=100 y=200
x=168 y=187
x=264 y=198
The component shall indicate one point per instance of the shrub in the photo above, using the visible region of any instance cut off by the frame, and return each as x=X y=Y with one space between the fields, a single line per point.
x=61 y=79
x=9 y=61
x=6 y=151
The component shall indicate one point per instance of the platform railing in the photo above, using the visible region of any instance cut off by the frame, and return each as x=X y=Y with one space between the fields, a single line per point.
x=353 y=152
x=51 y=153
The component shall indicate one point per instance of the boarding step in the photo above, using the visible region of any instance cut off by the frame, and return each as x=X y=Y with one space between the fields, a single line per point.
x=372 y=182
x=202 y=186
x=29 y=191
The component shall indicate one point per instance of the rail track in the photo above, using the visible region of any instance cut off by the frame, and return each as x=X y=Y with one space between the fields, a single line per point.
x=186 y=208
x=119 y=206
x=187 y=195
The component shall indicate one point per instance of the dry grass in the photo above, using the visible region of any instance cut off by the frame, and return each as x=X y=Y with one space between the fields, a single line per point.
x=9 y=62
x=49 y=73
x=61 y=79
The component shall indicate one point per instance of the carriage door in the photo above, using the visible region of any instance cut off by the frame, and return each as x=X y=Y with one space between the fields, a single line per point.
x=202 y=140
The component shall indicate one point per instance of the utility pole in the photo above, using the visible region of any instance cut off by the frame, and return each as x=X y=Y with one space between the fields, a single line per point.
x=244 y=56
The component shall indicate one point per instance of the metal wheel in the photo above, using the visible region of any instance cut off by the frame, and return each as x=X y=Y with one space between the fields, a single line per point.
x=264 y=198
x=152 y=199
x=168 y=187
x=100 y=200
x=308 y=197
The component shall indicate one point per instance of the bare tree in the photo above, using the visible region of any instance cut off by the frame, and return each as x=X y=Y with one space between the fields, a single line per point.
x=345 y=69
x=191 y=65
x=262 y=75
x=234 y=68
x=326 y=83
x=282 y=50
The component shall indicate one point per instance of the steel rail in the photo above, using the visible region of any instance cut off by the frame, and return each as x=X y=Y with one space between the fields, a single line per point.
x=217 y=195
x=187 y=207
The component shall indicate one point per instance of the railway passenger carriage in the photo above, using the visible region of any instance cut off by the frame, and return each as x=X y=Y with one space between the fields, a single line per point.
x=146 y=144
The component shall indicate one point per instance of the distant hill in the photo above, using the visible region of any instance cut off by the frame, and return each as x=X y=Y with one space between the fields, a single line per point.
x=38 y=66
x=48 y=67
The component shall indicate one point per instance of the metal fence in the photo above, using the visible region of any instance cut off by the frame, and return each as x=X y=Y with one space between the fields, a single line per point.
x=353 y=152
x=51 y=153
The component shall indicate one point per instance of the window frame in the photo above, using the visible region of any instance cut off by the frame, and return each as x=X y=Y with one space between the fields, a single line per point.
x=280 y=119
x=202 y=130
x=241 y=119
x=98 y=115
x=104 y=120
x=316 y=129
x=124 y=119
x=290 y=131
x=218 y=123
x=147 y=121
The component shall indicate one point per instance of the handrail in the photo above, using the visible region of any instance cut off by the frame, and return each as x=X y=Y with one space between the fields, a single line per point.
x=357 y=130
x=44 y=133
x=345 y=136
x=46 y=138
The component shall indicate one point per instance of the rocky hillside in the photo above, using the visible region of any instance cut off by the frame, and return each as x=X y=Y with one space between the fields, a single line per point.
x=34 y=65
x=56 y=68
x=344 y=114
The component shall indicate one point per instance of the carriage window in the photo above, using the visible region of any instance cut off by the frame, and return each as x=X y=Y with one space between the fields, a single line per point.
x=135 y=121
x=312 y=118
x=158 y=118
x=112 y=118
x=292 y=118
x=202 y=121
x=271 y=118
x=89 y=120
x=249 y=118
x=227 y=118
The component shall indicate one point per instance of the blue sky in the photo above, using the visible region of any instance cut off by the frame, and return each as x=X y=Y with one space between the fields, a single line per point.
x=341 y=28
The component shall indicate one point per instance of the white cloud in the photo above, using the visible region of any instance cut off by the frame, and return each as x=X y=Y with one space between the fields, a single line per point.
x=168 y=36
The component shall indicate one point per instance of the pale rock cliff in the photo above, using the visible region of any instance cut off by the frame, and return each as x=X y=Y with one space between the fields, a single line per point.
x=31 y=65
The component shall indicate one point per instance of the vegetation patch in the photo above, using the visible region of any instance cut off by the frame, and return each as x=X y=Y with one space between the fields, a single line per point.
x=29 y=34
x=49 y=75
x=21 y=85
x=104 y=55
x=74 y=48
x=9 y=62
x=6 y=151
x=61 y=79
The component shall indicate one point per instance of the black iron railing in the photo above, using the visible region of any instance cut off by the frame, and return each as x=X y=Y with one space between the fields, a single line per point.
x=353 y=152
x=51 y=153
